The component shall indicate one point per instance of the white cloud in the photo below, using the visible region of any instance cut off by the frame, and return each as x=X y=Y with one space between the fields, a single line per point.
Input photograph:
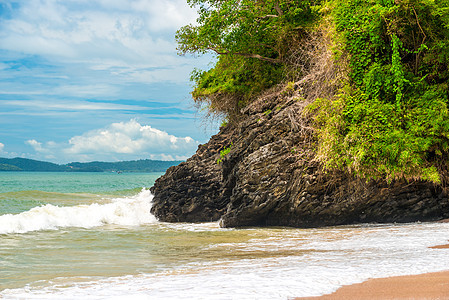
x=120 y=141
x=36 y=146
x=130 y=30
x=4 y=153
x=129 y=138
x=166 y=14
x=67 y=61
x=97 y=46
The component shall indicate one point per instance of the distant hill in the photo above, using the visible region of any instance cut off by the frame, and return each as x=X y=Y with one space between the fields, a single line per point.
x=30 y=165
x=24 y=164
x=143 y=165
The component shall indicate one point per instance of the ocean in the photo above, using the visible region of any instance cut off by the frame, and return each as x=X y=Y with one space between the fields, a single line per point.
x=92 y=236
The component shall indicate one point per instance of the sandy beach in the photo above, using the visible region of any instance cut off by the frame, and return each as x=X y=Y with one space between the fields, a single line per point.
x=425 y=286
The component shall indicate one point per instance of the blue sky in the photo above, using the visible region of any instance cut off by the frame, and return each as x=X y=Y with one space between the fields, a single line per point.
x=84 y=80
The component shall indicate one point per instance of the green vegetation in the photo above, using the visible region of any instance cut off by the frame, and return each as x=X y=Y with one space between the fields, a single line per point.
x=143 y=165
x=267 y=112
x=225 y=151
x=253 y=41
x=390 y=120
x=23 y=164
x=387 y=117
x=7 y=167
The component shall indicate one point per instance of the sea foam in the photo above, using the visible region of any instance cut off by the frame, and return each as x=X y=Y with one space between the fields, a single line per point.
x=129 y=211
x=285 y=264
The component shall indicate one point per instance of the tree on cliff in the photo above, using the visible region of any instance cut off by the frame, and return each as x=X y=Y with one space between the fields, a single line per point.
x=252 y=39
x=387 y=119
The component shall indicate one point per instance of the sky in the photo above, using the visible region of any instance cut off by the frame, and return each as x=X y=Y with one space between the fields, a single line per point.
x=85 y=80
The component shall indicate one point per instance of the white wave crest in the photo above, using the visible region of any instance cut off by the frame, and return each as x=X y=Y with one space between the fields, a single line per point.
x=130 y=211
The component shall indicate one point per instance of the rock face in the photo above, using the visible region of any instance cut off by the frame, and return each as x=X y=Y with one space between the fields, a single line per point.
x=190 y=192
x=270 y=178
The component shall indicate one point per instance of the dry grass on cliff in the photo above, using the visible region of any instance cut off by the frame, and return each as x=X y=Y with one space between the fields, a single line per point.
x=312 y=66
x=313 y=73
x=310 y=73
x=225 y=108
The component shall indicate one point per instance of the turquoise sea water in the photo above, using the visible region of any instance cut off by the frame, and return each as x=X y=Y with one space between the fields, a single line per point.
x=20 y=191
x=92 y=236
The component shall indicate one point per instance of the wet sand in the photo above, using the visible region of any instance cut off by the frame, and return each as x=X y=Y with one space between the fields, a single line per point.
x=440 y=247
x=425 y=286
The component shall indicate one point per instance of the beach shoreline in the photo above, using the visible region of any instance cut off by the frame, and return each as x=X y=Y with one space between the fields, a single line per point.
x=434 y=285
x=423 y=286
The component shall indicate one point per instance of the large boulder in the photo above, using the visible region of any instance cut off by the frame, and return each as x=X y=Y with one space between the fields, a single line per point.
x=270 y=178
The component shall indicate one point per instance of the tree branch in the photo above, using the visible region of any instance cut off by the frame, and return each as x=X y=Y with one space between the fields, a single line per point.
x=423 y=40
x=269 y=16
x=419 y=25
x=250 y=55
x=278 y=8
x=259 y=57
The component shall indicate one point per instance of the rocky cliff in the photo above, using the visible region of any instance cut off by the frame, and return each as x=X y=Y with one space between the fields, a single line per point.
x=270 y=178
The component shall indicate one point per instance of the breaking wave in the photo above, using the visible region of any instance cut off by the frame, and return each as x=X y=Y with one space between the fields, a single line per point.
x=127 y=211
